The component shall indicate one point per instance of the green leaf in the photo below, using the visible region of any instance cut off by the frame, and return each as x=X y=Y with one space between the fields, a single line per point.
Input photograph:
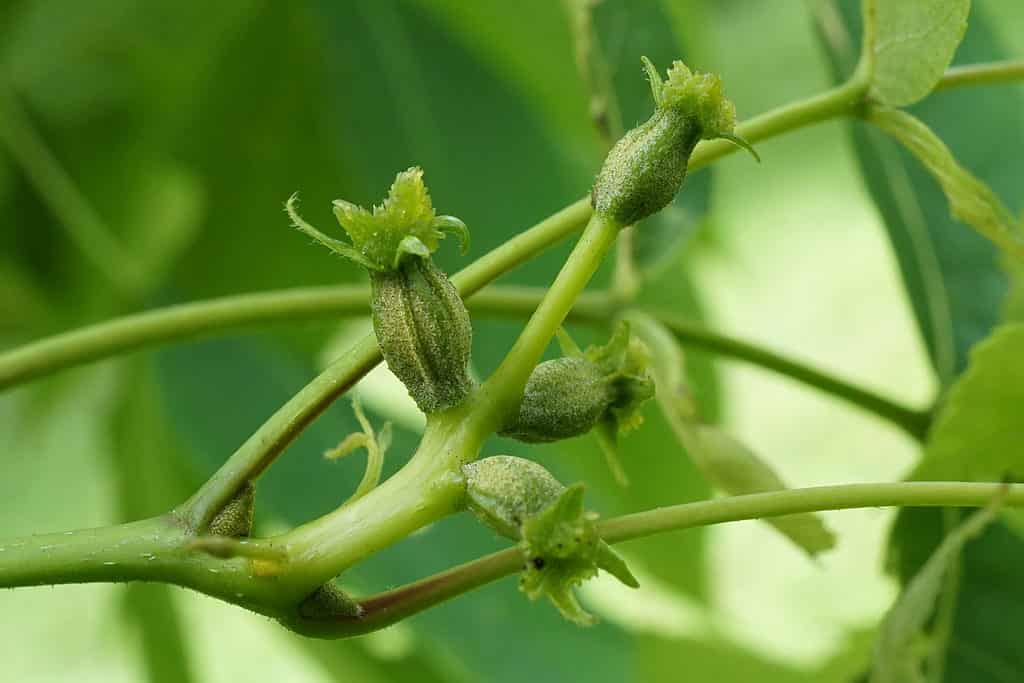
x=903 y=645
x=976 y=436
x=952 y=275
x=984 y=644
x=726 y=463
x=970 y=200
x=909 y=44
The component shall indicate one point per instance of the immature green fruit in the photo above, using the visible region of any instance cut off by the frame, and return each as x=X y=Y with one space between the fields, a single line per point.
x=567 y=397
x=563 y=398
x=646 y=167
x=421 y=323
x=521 y=500
x=424 y=332
x=503 y=491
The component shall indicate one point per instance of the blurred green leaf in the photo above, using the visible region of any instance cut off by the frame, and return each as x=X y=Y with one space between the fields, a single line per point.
x=726 y=463
x=911 y=43
x=970 y=200
x=952 y=276
x=983 y=638
x=976 y=436
x=903 y=646
x=713 y=658
x=956 y=288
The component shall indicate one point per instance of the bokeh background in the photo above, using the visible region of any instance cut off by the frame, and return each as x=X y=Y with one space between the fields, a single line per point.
x=146 y=149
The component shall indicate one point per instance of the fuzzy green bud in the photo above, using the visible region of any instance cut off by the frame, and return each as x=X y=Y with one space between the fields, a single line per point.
x=424 y=332
x=421 y=323
x=645 y=169
x=503 y=490
x=558 y=538
x=569 y=396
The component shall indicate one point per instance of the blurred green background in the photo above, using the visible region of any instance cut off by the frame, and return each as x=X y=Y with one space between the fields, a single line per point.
x=147 y=148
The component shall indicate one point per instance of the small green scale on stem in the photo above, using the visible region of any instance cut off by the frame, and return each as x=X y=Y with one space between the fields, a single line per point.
x=235 y=518
x=422 y=325
x=646 y=167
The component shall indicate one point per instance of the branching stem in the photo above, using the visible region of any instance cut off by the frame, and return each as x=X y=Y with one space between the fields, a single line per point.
x=429 y=487
x=386 y=608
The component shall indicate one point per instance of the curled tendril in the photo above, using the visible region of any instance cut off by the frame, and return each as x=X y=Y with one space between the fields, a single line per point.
x=375 y=444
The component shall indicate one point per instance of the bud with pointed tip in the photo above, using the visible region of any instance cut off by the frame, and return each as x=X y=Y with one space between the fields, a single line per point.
x=645 y=169
x=521 y=500
x=569 y=396
x=422 y=326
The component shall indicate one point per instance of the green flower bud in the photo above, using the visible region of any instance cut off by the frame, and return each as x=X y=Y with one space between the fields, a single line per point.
x=563 y=398
x=422 y=326
x=424 y=333
x=558 y=538
x=503 y=491
x=646 y=167
x=569 y=396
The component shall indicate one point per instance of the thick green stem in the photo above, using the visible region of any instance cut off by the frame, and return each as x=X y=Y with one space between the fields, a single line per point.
x=386 y=608
x=154 y=549
x=502 y=392
x=159 y=549
x=429 y=487
x=273 y=436
x=914 y=422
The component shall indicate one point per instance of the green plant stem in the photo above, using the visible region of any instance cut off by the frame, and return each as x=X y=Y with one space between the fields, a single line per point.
x=217 y=315
x=205 y=318
x=430 y=486
x=914 y=422
x=50 y=355
x=158 y=549
x=982 y=74
x=153 y=549
x=501 y=393
x=260 y=449
x=843 y=100
x=386 y=608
